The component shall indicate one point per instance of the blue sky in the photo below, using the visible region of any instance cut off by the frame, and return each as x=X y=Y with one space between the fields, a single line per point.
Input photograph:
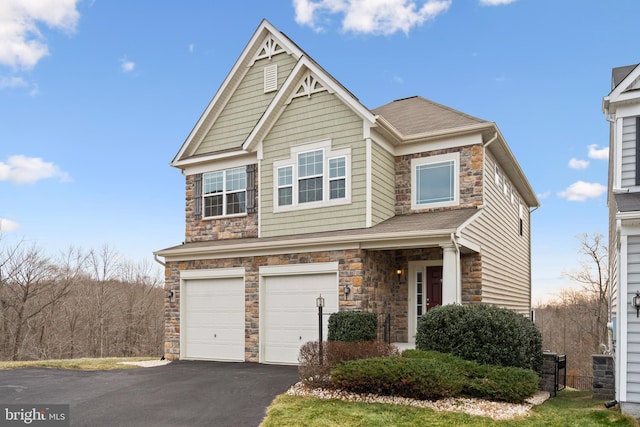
x=96 y=97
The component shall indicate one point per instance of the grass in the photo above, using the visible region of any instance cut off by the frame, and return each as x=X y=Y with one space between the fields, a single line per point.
x=570 y=408
x=84 y=364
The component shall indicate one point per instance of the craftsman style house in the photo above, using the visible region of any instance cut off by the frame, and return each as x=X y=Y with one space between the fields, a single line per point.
x=622 y=109
x=294 y=189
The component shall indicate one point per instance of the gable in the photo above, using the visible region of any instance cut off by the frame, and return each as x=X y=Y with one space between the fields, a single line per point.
x=245 y=107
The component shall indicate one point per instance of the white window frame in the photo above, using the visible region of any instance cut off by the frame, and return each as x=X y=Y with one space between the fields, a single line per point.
x=224 y=194
x=292 y=161
x=432 y=160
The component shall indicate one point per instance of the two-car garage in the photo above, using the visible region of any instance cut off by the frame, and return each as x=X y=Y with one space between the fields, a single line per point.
x=213 y=307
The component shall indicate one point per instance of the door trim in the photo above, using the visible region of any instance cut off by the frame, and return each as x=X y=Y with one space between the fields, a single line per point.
x=414 y=267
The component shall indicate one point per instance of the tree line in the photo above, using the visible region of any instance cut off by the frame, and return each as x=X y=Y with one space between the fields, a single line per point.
x=575 y=323
x=77 y=304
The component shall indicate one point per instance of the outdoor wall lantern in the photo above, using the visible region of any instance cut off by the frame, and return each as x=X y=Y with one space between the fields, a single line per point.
x=169 y=294
x=636 y=303
x=399 y=272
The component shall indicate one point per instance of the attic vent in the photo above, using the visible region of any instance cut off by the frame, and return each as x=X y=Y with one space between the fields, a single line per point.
x=269 y=48
x=308 y=86
x=271 y=78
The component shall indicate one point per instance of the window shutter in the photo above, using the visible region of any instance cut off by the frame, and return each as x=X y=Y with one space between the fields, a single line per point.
x=251 y=189
x=197 y=196
x=637 y=150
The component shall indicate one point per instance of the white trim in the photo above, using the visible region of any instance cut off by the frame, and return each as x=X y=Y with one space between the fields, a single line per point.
x=368 y=221
x=617 y=144
x=622 y=319
x=442 y=143
x=429 y=160
x=294 y=269
x=414 y=267
x=212 y=273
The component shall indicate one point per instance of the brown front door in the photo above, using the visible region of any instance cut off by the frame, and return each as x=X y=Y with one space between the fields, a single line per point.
x=434 y=287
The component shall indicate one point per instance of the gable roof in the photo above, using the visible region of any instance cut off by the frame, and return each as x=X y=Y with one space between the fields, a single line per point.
x=625 y=83
x=417 y=115
x=618 y=74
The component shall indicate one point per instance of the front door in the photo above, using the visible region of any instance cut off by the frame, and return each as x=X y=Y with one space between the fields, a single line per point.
x=425 y=291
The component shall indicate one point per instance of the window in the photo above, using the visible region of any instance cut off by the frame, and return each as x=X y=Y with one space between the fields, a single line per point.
x=285 y=186
x=314 y=175
x=310 y=176
x=435 y=181
x=337 y=178
x=225 y=192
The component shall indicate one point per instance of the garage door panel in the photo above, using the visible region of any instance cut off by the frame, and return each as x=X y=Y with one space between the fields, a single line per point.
x=214 y=319
x=291 y=315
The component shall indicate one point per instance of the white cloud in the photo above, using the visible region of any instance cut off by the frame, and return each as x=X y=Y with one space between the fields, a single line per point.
x=8 y=225
x=192 y=48
x=598 y=153
x=581 y=191
x=544 y=195
x=578 y=164
x=126 y=65
x=495 y=2
x=27 y=170
x=22 y=44
x=369 y=16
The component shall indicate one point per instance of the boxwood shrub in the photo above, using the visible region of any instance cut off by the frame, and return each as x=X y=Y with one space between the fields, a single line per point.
x=484 y=333
x=352 y=326
x=432 y=375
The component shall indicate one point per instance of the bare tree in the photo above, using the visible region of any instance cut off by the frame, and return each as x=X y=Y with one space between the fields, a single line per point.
x=593 y=278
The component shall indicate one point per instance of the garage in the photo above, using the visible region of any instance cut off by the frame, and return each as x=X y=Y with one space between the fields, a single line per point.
x=290 y=315
x=213 y=319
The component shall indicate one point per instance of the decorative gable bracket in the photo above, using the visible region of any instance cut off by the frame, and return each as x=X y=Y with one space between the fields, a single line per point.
x=270 y=47
x=308 y=85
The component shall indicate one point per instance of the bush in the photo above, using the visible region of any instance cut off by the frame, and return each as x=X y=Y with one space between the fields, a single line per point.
x=433 y=375
x=352 y=326
x=484 y=333
x=399 y=376
x=316 y=374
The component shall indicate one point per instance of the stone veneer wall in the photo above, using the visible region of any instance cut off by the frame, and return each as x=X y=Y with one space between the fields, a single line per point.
x=604 y=381
x=198 y=230
x=471 y=163
x=351 y=271
x=471 y=271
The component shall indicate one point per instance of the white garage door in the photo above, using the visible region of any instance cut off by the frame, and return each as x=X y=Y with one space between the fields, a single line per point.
x=291 y=315
x=213 y=319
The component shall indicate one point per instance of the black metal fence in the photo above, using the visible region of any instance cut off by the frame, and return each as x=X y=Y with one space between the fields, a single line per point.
x=580 y=382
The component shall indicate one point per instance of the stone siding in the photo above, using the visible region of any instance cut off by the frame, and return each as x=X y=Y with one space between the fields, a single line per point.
x=199 y=229
x=471 y=164
x=604 y=383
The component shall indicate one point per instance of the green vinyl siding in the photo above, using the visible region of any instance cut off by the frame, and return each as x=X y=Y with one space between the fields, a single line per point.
x=245 y=107
x=307 y=120
x=506 y=266
x=383 y=185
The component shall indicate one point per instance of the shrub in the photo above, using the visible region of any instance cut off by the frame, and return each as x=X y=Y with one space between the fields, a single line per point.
x=316 y=374
x=399 y=376
x=352 y=326
x=484 y=333
x=433 y=375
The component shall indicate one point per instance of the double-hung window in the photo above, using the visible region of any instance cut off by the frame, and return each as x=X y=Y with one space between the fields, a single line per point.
x=314 y=175
x=435 y=181
x=225 y=192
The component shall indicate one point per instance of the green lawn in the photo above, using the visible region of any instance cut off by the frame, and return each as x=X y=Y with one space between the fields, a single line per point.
x=570 y=408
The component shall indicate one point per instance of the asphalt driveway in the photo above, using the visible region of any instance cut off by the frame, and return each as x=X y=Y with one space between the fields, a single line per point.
x=182 y=393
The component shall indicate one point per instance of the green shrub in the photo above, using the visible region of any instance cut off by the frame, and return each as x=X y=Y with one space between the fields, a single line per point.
x=316 y=374
x=399 y=376
x=352 y=326
x=484 y=333
x=432 y=375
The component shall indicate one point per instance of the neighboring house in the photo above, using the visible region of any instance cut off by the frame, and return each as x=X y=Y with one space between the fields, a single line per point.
x=295 y=189
x=622 y=109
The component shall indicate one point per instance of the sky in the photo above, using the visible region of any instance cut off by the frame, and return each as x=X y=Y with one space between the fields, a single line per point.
x=97 y=96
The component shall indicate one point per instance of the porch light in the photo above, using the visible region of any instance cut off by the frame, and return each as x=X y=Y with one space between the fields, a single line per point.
x=636 y=303
x=320 y=301
x=169 y=294
x=399 y=272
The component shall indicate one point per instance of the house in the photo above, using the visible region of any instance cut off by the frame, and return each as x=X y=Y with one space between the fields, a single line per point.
x=295 y=189
x=622 y=109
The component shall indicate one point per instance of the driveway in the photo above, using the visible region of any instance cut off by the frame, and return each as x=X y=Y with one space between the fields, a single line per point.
x=182 y=393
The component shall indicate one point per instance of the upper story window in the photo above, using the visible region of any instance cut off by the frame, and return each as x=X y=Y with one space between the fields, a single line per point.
x=224 y=192
x=314 y=175
x=435 y=181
